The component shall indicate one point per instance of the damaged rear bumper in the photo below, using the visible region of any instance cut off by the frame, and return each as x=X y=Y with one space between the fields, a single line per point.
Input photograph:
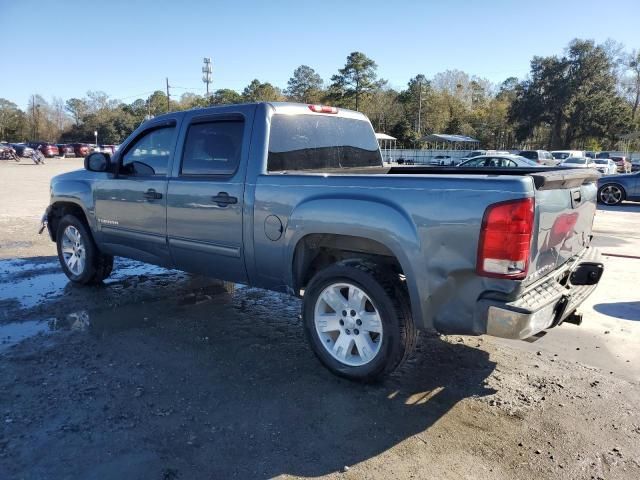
x=546 y=303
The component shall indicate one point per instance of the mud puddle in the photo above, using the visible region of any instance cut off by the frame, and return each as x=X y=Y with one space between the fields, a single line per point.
x=107 y=320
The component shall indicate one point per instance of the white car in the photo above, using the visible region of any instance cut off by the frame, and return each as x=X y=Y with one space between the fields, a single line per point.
x=562 y=155
x=606 y=166
x=579 y=162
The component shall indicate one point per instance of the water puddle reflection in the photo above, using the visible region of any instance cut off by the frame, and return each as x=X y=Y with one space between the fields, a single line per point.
x=108 y=320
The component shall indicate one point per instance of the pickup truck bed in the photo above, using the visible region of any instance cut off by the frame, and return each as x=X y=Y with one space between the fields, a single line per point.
x=295 y=198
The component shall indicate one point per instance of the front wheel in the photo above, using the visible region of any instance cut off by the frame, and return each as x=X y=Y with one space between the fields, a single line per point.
x=79 y=256
x=358 y=320
x=611 y=194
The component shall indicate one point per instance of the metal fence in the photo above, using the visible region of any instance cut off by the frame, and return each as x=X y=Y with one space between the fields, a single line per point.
x=449 y=157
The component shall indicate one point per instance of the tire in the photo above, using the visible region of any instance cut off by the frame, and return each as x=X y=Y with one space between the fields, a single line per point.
x=611 y=194
x=358 y=349
x=91 y=266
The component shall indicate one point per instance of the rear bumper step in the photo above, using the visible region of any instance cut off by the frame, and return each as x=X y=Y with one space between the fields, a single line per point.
x=547 y=304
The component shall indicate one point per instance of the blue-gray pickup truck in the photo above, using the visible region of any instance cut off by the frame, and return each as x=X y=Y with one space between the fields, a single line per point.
x=296 y=198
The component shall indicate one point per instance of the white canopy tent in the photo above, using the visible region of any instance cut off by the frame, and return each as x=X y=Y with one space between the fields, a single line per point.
x=442 y=141
x=386 y=144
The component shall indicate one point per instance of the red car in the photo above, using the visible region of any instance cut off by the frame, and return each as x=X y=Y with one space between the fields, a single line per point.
x=66 y=150
x=81 y=149
x=623 y=164
x=49 y=150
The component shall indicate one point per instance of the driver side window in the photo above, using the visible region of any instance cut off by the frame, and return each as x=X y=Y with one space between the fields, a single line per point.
x=150 y=154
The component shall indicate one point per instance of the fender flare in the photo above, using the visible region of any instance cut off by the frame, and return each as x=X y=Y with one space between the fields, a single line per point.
x=365 y=218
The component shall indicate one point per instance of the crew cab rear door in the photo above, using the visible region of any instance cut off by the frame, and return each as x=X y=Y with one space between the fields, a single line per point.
x=206 y=194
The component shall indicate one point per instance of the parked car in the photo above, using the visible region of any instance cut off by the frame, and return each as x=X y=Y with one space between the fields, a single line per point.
x=499 y=161
x=539 y=156
x=22 y=150
x=615 y=189
x=590 y=154
x=49 y=150
x=375 y=252
x=441 y=160
x=477 y=153
x=111 y=149
x=562 y=155
x=623 y=164
x=603 y=155
x=578 y=162
x=605 y=166
x=65 y=150
x=81 y=150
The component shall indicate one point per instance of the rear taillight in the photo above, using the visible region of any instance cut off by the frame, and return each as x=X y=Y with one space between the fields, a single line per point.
x=323 y=109
x=505 y=239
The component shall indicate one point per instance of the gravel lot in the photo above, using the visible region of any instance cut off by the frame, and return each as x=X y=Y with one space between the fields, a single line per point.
x=163 y=375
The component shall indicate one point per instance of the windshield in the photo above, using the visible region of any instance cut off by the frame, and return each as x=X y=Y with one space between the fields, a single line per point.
x=576 y=160
x=601 y=162
x=318 y=142
x=560 y=155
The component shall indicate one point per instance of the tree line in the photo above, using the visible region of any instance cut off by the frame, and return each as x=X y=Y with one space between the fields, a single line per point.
x=586 y=98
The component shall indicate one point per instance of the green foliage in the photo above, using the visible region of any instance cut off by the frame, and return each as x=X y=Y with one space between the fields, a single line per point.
x=589 y=97
x=356 y=80
x=225 y=96
x=304 y=86
x=261 y=92
x=77 y=108
x=13 y=121
x=405 y=135
x=593 y=145
x=574 y=96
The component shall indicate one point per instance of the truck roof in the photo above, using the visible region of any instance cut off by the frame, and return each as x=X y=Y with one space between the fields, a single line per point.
x=278 y=107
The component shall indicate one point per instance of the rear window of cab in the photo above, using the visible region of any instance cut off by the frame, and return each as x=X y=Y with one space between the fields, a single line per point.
x=321 y=142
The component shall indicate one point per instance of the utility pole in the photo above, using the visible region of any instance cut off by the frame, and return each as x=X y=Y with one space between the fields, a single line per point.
x=206 y=72
x=420 y=108
x=33 y=116
x=168 y=96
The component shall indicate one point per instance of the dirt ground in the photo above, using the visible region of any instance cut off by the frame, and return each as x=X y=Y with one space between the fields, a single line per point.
x=158 y=374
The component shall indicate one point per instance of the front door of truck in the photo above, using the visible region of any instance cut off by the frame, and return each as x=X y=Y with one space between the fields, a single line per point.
x=131 y=207
x=206 y=197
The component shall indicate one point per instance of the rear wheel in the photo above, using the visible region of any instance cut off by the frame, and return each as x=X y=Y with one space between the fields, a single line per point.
x=611 y=194
x=358 y=320
x=79 y=256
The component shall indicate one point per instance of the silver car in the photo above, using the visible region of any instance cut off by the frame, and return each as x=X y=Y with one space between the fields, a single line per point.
x=500 y=161
x=579 y=162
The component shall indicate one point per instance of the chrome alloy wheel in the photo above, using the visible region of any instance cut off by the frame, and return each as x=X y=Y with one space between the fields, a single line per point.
x=348 y=324
x=610 y=195
x=73 y=250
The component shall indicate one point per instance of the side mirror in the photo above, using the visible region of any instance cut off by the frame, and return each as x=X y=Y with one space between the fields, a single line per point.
x=98 y=162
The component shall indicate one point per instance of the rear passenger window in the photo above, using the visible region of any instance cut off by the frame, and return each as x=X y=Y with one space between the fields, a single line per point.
x=212 y=148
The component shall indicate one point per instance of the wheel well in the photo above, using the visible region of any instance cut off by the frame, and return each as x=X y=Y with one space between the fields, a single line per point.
x=317 y=251
x=58 y=211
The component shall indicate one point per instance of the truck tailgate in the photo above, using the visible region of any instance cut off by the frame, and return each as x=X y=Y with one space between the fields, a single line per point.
x=565 y=207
